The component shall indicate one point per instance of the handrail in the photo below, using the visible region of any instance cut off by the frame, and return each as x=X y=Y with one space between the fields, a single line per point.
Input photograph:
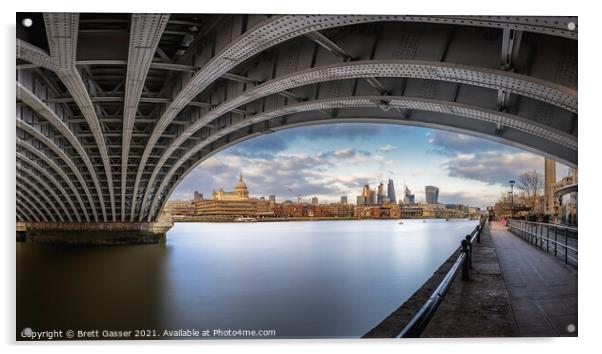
x=418 y=323
x=560 y=226
x=548 y=238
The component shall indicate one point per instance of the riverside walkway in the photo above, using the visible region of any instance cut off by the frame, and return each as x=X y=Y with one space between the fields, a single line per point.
x=542 y=289
x=515 y=289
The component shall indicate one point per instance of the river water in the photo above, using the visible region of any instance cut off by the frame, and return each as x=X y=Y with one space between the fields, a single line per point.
x=300 y=279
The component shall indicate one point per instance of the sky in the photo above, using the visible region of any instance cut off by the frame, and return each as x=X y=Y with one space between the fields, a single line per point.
x=329 y=161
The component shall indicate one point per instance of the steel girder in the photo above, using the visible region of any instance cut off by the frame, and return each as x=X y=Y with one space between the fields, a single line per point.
x=45 y=185
x=62 y=31
x=26 y=197
x=24 y=203
x=43 y=110
x=24 y=183
x=42 y=171
x=58 y=170
x=145 y=33
x=67 y=159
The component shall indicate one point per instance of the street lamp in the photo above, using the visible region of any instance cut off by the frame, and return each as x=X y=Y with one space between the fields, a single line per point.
x=512 y=198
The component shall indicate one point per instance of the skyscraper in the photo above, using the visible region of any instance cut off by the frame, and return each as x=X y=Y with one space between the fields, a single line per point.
x=197 y=196
x=272 y=198
x=361 y=200
x=391 y=192
x=432 y=194
x=314 y=200
x=408 y=197
x=344 y=200
x=380 y=196
x=371 y=197
x=366 y=192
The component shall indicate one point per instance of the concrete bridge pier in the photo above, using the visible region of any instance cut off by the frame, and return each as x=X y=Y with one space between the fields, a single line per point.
x=101 y=233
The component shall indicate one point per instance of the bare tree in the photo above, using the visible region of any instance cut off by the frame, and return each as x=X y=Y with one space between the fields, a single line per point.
x=530 y=184
x=502 y=206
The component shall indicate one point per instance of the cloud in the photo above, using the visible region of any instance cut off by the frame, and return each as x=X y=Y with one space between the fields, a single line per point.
x=264 y=176
x=387 y=148
x=492 y=166
x=449 y=144
x=262 y=146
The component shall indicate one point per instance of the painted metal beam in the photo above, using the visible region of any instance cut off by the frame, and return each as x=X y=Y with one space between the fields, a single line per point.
x=62 y=31
x=57 y=150
x=34 y=55
x=31 y=100
x=145 y=34
x=106 y=62
x=26 y=197
x=28 y=185
x=60 y=172
x=27 y=206
x=41 y=182
x=21 y=214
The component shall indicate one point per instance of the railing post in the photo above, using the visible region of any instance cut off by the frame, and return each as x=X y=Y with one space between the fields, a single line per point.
x=566 y=247
x=547 y=238
x=469 y=251
x=555 y=241
x=479 y=229
x=465 y=265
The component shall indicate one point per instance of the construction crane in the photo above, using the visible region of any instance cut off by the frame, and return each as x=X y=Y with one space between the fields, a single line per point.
x=290 y=189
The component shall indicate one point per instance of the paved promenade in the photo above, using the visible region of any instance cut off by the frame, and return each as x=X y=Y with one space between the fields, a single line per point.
x=515 y=289
x=542 y=289
x=479 y=307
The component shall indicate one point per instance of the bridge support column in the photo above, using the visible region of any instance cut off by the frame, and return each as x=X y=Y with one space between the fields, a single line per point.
x=101 y=233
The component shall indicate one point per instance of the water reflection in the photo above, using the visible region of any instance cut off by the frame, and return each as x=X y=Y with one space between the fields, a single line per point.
x=305 y=279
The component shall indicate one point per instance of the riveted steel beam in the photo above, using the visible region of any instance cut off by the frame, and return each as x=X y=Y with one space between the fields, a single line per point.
x=21 y=202
x=145 y=34
x=36 y=56
x=30 y=99
x=25 y=183
x=27 y=196
x=22 y=214
x=45 y=185
x=43 y=171
x=57 y=150
x=62 y=31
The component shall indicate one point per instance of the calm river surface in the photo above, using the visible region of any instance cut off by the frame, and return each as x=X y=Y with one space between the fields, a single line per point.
x=302 y=279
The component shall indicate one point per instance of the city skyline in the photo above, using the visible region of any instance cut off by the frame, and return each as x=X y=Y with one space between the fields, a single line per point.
x=337 y=160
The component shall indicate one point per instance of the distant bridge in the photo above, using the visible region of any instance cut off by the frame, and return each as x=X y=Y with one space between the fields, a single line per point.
x=114 y=110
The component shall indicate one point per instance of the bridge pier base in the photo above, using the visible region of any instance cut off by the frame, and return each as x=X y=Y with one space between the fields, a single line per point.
x=101 y=233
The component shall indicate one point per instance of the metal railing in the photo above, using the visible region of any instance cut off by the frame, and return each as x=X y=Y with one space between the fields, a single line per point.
x=418 y=323
x=559 y=240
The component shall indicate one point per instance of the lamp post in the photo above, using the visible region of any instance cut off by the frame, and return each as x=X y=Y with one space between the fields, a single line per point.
x=512 y=199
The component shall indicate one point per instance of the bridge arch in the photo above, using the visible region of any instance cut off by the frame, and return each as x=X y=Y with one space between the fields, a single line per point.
x=220 y=141
x=124 y=105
